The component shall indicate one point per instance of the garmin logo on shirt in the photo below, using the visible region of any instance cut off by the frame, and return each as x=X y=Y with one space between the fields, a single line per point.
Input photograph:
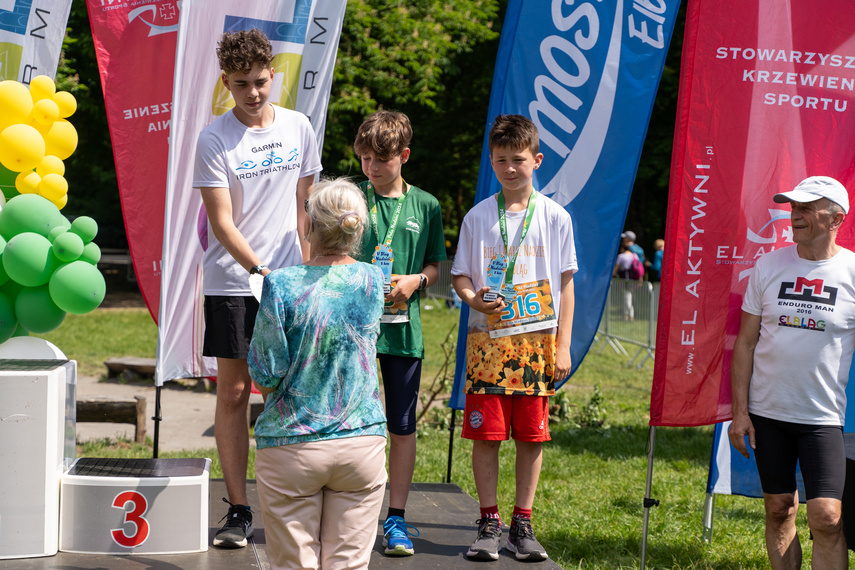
x=810 y=290
x=272 y=162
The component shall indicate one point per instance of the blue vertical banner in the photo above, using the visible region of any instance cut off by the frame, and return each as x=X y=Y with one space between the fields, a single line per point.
x=732 y=474
x=586 y=73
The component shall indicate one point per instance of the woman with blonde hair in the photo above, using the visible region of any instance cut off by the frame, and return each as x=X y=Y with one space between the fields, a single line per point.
x=320 y=464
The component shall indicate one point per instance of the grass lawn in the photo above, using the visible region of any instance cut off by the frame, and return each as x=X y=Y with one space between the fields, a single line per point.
x=588 y=511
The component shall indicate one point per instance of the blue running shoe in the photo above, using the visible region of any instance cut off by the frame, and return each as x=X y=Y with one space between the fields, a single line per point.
x=396 y=537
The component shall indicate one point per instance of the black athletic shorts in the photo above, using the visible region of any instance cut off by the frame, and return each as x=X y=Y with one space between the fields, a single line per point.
x=819 y=450
x=228 y=326
x=401 y=378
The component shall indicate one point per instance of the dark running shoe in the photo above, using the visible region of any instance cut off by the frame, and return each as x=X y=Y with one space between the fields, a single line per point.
x=486 y=546
x=237 y=529
x=522 y=543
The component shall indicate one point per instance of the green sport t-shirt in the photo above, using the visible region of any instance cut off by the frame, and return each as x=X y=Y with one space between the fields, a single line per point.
x=418 y=241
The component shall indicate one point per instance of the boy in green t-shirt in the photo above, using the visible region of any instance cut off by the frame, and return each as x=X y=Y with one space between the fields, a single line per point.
x=405 y=238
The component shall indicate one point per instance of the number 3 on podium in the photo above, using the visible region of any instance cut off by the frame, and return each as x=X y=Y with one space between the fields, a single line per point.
x=134 y=516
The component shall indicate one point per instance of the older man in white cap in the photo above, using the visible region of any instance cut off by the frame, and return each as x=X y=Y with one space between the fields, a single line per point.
x=789 y=372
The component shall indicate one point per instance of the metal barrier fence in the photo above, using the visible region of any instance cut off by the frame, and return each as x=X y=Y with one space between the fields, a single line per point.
x=629 y=317
x=441 y=293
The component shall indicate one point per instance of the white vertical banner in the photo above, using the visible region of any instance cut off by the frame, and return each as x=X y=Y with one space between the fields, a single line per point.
x=304 y=35
x=31 y=33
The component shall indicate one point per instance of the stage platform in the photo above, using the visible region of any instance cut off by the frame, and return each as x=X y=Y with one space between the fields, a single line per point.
x=443 y=513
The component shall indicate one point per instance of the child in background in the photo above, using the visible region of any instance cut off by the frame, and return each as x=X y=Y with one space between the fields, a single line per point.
x=518 y=344
x=405 y=239
x=656 y=265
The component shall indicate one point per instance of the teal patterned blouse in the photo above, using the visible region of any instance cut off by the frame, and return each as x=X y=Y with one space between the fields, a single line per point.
x=314 y=344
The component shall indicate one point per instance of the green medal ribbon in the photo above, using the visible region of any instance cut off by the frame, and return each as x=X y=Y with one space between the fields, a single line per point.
x=503 y=228
x=393 y=223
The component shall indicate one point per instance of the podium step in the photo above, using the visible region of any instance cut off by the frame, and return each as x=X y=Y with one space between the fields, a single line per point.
x=135 y=506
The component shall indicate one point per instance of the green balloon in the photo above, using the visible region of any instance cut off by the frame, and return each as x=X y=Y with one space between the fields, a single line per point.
x=91 y=253
x=4 y=277
x=11 y=290
x=77 y=287
x=67 y=247
x=8 y=323
x=85 y=227
x=36 y=311
x=55 y=233
x=20 y=331
x=28 y=259
x=30 y=213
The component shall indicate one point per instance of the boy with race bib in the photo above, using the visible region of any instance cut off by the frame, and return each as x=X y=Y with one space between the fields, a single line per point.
x=514 y=266
x=405 y=240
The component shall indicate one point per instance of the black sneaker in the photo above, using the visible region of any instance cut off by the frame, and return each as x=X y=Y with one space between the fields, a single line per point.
x=237 y=529
x=522 y=543
x=486 y=546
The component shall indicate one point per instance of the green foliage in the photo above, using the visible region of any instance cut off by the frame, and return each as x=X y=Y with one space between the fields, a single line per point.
x=561 y=407
x=433 y=61
x=593 y=414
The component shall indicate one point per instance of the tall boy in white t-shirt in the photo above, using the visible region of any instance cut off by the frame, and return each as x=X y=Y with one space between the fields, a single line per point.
x=255 y=167
x=514 y=266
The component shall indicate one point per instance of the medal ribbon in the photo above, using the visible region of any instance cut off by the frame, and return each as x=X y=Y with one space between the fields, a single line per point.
x=503 y=228
x=393 y=223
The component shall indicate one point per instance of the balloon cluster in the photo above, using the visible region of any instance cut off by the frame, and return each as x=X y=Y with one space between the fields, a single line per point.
x=48 y=264
x=35 y=138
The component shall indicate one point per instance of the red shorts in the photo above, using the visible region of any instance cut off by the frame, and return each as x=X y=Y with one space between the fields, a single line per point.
x=495 y=417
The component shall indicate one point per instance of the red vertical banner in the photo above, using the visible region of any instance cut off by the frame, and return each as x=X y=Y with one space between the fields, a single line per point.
x=135 y=47
x=766 y=99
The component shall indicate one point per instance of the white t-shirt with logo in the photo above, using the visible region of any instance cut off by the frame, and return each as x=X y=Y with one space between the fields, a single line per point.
x=261 y=168
x=520 y=358
x=807 y=336
x=547 y=251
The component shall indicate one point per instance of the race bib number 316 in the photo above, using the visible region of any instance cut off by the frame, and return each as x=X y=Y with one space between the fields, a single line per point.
x=530 y=309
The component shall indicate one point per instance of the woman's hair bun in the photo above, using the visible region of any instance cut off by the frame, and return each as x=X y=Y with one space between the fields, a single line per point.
x=349 y=222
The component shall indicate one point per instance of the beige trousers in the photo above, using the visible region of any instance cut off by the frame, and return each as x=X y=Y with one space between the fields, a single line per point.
x=321 y=501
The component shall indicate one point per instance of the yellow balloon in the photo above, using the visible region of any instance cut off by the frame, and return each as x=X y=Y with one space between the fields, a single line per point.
x=60 y=204
x=27 y=182
x=66 y=102
x=15 y=103
x=22 y=147
x=42 y=87
x=45 y=111
x=53 y=187
x=51 y=165
x=61 y=139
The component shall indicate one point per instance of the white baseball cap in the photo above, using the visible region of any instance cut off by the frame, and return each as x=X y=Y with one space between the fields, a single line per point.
x=814 y=188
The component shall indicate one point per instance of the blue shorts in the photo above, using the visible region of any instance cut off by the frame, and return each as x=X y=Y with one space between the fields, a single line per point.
x=401 y=378
x=229 y=322
x=819 y=450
